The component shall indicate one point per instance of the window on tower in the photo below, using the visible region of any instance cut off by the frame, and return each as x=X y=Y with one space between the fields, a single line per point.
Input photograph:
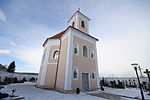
x=55 y=54
x=82 y=24
x=85 y=51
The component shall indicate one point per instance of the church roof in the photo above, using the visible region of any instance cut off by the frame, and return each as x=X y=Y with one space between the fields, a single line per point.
x=63 y=32
x=58 y=35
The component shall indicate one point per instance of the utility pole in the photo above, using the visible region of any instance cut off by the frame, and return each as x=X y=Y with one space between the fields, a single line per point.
x=148 y=72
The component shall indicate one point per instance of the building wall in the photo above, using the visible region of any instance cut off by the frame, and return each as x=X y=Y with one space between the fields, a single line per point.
x=62 y=65
x=51 y=68
x=67 y=61
x=41 y=67
x=52 y=50
x=19 y=76
x=39 y=75
x=50 y=76
x=47 y=62
x=69 y=82
x=84 y=64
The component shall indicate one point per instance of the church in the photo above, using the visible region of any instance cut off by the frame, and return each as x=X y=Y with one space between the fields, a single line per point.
x=70 y=58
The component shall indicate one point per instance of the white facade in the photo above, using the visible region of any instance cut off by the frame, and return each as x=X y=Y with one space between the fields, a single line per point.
x=44 y=63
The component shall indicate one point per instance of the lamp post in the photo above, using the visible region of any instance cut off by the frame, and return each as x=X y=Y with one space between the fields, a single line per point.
x=135 y=68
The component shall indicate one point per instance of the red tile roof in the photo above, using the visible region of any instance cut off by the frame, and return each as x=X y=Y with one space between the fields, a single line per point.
x=61 y=33
x=58 y=35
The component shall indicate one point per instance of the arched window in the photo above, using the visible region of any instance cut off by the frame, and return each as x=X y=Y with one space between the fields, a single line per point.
x=85 y=52
x=82 y=24
x=55 y=54
x=73 y=24
x=75 y=73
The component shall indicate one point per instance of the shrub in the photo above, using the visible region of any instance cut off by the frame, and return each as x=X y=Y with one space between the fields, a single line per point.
x=32 y=79
x=77 y=90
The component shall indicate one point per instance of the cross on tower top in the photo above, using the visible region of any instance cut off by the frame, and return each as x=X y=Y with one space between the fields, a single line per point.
x=79 y=8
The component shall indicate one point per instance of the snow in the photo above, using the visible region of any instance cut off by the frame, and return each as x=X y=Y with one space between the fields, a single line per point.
x=130 y=93
x=30 y=92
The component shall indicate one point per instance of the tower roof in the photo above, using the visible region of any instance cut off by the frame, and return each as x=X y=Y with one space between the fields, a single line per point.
x=78 y=12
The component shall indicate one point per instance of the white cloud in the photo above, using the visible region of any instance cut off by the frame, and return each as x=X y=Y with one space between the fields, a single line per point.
x=22 y=46
x=30 y=55
x=4 y=52
x=2 y=16
x=117 y=54
x=13 y=44
x=16 y=45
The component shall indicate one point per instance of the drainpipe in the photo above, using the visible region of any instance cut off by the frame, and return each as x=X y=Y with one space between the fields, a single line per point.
x=57 y=64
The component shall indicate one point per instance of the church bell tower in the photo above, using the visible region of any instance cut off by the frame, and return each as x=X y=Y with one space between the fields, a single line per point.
x=79 y=21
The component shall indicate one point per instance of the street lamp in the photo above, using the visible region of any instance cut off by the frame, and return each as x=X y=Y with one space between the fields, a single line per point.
x=135 y=68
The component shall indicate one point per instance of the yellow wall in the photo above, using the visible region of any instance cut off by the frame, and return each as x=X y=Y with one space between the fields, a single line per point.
x=62 y=65
x=85 y=64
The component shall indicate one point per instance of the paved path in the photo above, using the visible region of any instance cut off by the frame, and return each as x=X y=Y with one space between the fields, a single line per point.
x=113 y=96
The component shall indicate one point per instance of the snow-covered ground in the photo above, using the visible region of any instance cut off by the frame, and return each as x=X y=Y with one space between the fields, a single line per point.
x=30 y=92
x=127 y=94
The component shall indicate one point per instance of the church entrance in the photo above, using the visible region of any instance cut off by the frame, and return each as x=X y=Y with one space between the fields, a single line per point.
x=85 y=82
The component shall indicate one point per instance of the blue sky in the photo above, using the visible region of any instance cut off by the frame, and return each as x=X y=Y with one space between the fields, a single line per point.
x=122 y=26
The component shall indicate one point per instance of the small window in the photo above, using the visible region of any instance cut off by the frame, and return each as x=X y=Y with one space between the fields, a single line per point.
x=85 y=52
x=55 y=54
x=92 y=53
x=76 y=48
x=82 y=24
x=93 y=74
x=73 y=24
x=75 y=73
